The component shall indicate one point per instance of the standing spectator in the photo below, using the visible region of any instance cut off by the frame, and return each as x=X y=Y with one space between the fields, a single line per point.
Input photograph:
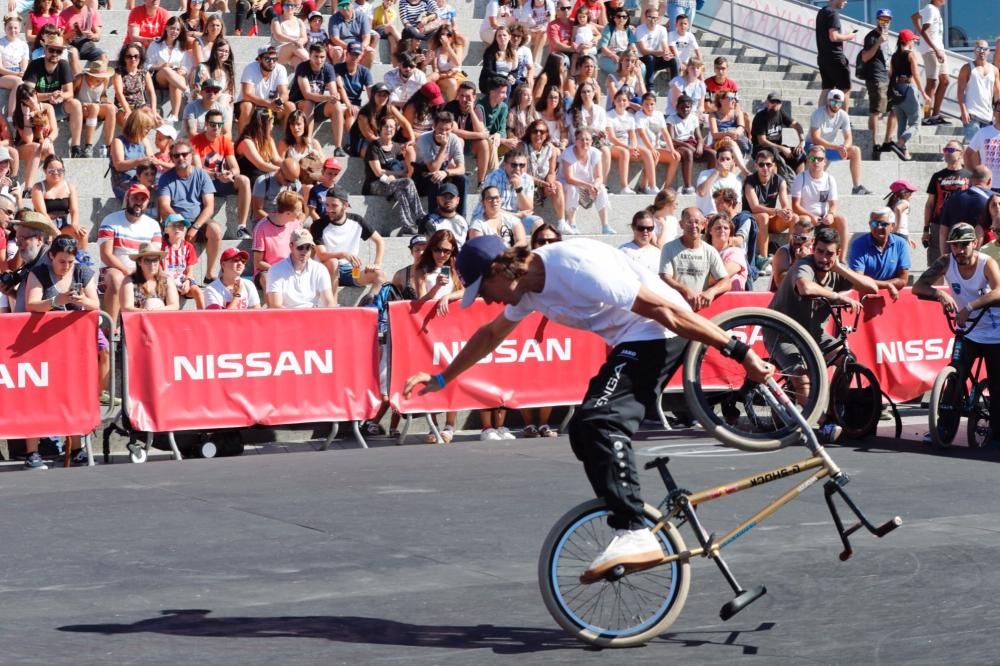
x=53 y=79
x=814 y=195
x=272 y=235
x=968 y=204
x=719 y=232
x=446 y=216
x=882 y=255
x=439 y=160
x=189 y=191
x=984 y=148
x=231 y=291
x=834 y=71
x=692 y=267
x=347 y=27
x=654 y=45
x=145 y=23
x=767 y=129
x=949 y=180
x=828 y=123
x=83 y=29
x=874 y=70
x=641 y=249
x=298 y=281
x=678 y=8
x=268 y=188
x=765 y=195
x=120 y=234
x=263 y=86
x=582 y=175
x=930 y=25
x=179 y=260
x=724 y=176
x=685 y=133
x=404 y=80
x=978 y=89
x=898 y=201
x=338 y=238
x=905 y=80
x=214 y=152
x=386 y=175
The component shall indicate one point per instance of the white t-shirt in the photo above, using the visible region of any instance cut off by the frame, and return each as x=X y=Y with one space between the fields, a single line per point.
x=830 y=126
x=814 y=195
x=502 y=14
x=596 y=119
x=706 y=204
x=621 y=124
x=684 y=128
x=930 y=16
x=261 y=87
x=592 y=286
x=580 y=169
x=648 y=256
x=159 y=53
x=654 y=39
x=685 y=45
x=218 y=296
x=126 y=237
x=12 y=53
x=696 y=90
x=298 y=290
x=669 y=228
x=457 y=225
x=344 y=237
x=987 y=143
x=652 y=125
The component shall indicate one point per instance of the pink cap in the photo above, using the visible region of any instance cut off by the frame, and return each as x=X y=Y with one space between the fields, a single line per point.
x=902 y=186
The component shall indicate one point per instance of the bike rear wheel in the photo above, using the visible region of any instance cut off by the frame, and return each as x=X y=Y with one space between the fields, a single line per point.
x=856 y=400
x=945 y=413
x=626 y=612
x=732 y=408
x=978 y=430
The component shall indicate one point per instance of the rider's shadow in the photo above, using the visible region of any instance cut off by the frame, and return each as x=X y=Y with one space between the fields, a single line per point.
x=377 y=631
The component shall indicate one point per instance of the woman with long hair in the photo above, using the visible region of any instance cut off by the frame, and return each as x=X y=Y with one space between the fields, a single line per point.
x=726 y=125
x=56 y=197
x=169 y=62
x=297 y=140
x=213 y=31
x=551 y=109
x=130 y=148
x=194 y=19
x=904 y=83
x=148 y=288
x=290 y=36
x=521 y=111
x=133 y=84
x=388 y=172
x=586 y=112
x=14 y=56
x=664 y=212
x=445 y=58
x=898 y=200
x=627 y=75
x=689 y=83
x=419 y=110
x=543 y=167
x=718 y=231
x=35 y=129
x=625 y=145
x=586 y=71
x=616 y=37
x=219 y=67
x=42 y=13
x=524 y=70
x=256 y=153
x=499 y=59
x=583 y=179
x=370 y=116
x=555 y=72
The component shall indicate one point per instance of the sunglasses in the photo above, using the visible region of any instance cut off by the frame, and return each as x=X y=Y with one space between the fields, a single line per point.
x=645 y=230
x=539 y=131
x=303 y=248
x=879 y=224
x=442 y=250
x=948 y=150
x=565 y=9
x=177 y=156
x=270 y=59
x=982 y=49
x=816 y=158
x=54 y=50
x=55 y=172
x=518 y=165
x=836 y=102
x=546 y=241
x=801 y=239
x=765 y=164
x=132 y=56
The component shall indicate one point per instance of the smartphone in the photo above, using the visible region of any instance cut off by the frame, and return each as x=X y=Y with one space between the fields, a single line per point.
x=446 y=271
x=76 y=289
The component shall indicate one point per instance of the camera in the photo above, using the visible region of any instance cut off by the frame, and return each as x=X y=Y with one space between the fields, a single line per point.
x=10 y=279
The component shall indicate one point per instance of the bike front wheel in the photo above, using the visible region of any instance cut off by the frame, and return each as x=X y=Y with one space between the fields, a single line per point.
x=856 y=400
x=945 y=413
x=629 y=611
x=731 y=407
x=978 y=430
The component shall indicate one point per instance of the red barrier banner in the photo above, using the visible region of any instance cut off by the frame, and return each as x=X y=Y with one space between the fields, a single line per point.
x=48 y=374
x=221 y=369
x=538 y=364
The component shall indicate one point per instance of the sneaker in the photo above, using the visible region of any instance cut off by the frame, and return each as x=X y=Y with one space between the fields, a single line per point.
x=828 y=433
x=243 y=233
x=861 y=190
x=505 y=433
x=626 y=190
x=763 y=265
x=75 y=151
x=102 y=151
x=564 y=228
x=339 y=152
x=530 y=432
x=490 y=435
x=575 y=229
x=876 y=153
x=628 y=547
x=649 y=190
x=34 y=461
x=105 y=399
x=170 y=119
x=372 y=429
x=926 y=439
x=88 y=151
x=608 y=230
x=687 y=190
x=81 y=459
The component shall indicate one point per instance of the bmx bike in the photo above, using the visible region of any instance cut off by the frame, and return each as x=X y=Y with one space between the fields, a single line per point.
x=630 y=606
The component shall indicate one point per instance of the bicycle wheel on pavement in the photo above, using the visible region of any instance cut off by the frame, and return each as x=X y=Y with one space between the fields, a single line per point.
x=945 y=412
x=856 y=401
x=978 y=430
x=732 y=408
x=629 y=611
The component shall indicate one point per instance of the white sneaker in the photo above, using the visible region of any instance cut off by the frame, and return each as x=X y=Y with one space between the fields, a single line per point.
x=170 y=119
x=629 y=547
x=505 y=433
x=687 y=190
x=490 y=434
x=564 y=228
x=650 y=190
x=626 y=190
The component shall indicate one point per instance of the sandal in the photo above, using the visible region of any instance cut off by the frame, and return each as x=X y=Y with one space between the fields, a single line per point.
x=447 y=434
x=546 y=431
x=530 y=431
x=431 y=438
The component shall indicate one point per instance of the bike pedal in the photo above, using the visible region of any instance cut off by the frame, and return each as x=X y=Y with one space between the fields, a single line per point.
x=741 y=601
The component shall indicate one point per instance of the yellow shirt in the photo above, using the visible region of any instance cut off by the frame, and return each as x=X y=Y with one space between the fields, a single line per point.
x=382 y=16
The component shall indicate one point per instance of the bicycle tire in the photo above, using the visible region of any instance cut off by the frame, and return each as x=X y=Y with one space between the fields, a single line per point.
x=721 y=381
x=978 y=431
x=587 y=611
x=856 y=401
x=945 y=412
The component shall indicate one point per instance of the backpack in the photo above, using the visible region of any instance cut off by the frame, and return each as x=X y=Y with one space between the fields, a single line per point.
x=385 y=295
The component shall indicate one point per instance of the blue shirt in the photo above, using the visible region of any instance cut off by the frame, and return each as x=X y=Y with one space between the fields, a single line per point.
x=865 y=257
x=965 y=206
x=508 y=197
x=354 y=30
x=185 y=193
x=354 y=84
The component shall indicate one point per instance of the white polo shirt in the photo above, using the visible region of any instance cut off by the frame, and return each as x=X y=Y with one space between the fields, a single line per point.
x=298 y=290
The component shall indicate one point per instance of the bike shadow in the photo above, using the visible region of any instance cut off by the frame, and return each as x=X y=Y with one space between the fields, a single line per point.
x=378 y=631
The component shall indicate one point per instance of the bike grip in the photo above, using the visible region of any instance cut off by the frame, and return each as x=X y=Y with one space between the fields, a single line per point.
x=882 y=530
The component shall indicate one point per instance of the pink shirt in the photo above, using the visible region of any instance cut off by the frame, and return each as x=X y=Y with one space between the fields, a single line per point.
x=273 y=240
x=86 y=19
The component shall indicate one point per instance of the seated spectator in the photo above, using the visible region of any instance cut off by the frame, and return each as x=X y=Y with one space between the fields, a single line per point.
x=258 y=11
x=445 y=57
x=446 y=216
x=180 y=259
x=272 y=235
x=492 y=111
x=684 y=42
x=163 y=143
x=685 y=132
x=32 y=234
x=338 y=238
x=830 y=128
x=543 y=168
x=353 y=81
x=130 y=148
x=469 y=127
x=641 y=249
x=219 y=68
x=317 y=32
x=499 y=61
x=724 y=175
x=120 y=234
x=256 y=152
x=231 y=291
x=515 y=187
x=8 y=246
x=664 y=212
x=628 y=78
x=53 y=79
x=814 y=195
x=898 y=201
x=386 y=175
x=493 y=220
x=56 y=197
x=146 y=174
x=559 y=33
x=298 y=281
x=651 y=130
x=315 y=93
x=585 y=111
x=298 y=142
x=767 y=129
x=536 y=421
x=727 y=128
x=347 y=27
x=653 y=42
x=554 y=76
x=625 y=146
x=133 y=84
x=148 y=287
x=329 y=175
x=145 y=23
x=384 y=24
x=419 y=18
x=719 y=233
x=881 y=254
x=214 y=153
x=14 y=53
x=195 y=115
x=404 y=81
x=419 y=110
x=799 y=246
x=171 y=64
x=582 y=175
x=692 y=267
x=521 y=112
x=263 y=86
x=720 y=81
x=91 y=89
x=404 y=278
x=290 y=35
x=440 y=160
x=689 y=83
x=744 y=231
x=267 y=189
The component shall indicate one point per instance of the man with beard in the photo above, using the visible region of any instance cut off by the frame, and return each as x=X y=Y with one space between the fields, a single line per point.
x=119 y=235
x=944 y=183
x=974 y=281
x=966 y=206
x=263 y=85
x=799 y=246
x=767 y=129
x=32 y=232
x=446 y=216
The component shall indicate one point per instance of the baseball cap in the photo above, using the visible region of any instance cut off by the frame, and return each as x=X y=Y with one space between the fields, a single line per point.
x=448 y=188
x=355 y=48
x=333 y=163
x=417 y=240
x=266 y=49
x=907 y=36
x=167 y=130
x=960 y=233
x=474 y=261
x=301 y=237
x=313 y=15
x=7 y=203
x=211 y=83
x=343 y=4
x=176 y=218
x=234 y=253
x=4 y=154
x=773 y=97
x=902 y=185
x=432 y=92
x=836 y=94
x=137 y=188
x=883 y=13
x=337 y=193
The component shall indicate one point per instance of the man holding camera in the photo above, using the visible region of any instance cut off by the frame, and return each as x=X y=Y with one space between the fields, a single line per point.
x=32 y=232
x=871 y=66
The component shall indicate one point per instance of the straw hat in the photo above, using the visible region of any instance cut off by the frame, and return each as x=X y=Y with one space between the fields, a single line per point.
x=148 y=250
x=37 y=221
x=98 y=70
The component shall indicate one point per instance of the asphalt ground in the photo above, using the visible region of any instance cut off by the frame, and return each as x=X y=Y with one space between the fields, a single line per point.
x=427 y=555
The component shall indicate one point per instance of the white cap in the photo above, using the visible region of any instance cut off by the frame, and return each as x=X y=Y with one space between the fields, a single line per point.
x=167 y=130
x=4 y=153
